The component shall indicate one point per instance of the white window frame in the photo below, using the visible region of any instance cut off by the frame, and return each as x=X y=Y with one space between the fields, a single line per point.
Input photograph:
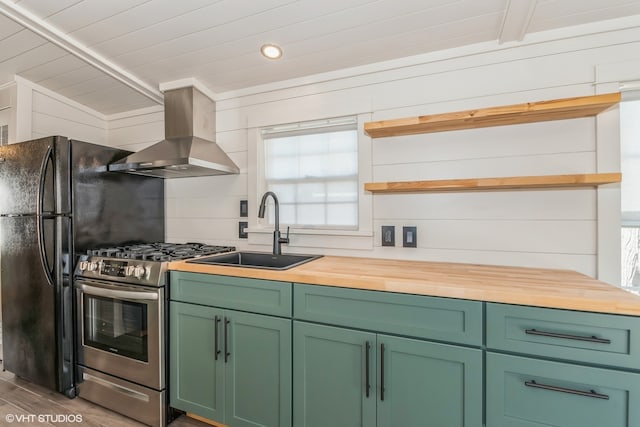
x=628 y=219
x=260 y=231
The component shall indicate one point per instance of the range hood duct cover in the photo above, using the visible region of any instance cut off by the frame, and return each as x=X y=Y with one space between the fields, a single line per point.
x=188 y=149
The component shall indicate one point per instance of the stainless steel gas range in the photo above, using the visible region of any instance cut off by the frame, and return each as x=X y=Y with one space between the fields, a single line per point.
x=121 y=318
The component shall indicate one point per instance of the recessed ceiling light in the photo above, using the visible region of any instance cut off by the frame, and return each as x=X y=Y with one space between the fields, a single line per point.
x=271 y=51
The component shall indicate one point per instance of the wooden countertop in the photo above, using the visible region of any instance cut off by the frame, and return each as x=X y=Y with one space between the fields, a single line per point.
x=514 y=285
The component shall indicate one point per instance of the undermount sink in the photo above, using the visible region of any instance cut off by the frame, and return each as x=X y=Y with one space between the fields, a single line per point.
x=256 y=260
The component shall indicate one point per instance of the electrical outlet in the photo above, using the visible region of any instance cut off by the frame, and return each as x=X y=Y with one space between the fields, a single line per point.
x=388 y=235
x=242 y=230
x=410 y=237
x=244 y=209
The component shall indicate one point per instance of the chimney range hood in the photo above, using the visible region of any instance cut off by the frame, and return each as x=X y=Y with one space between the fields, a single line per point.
x=188 y=149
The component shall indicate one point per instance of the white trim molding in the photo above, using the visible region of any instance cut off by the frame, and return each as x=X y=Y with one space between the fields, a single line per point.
x=50 y=33
x=188 y=82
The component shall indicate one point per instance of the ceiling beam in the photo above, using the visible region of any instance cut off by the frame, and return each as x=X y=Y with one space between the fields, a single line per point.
x=516 y=20
x=52 y=34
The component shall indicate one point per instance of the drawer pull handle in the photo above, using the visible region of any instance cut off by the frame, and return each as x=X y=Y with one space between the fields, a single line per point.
x=382 y=372
x=567 y=337
x=216 y=349
x=227 y=353
x=591 y=393
x=366 y=368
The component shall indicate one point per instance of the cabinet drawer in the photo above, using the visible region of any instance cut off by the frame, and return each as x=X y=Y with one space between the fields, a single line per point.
x=528 y=392
x=602 y=339
x=253 y=295
x=441 y=319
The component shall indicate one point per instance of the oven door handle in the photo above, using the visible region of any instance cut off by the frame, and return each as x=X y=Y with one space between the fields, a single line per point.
x=117 y=294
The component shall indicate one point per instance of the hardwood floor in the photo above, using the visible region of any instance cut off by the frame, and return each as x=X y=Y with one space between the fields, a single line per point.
x=21 y=402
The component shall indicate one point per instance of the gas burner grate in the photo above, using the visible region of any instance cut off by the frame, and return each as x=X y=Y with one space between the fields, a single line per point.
x=160 y=251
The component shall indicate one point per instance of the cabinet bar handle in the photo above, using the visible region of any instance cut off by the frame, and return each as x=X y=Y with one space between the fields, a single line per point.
x=366 y=368
x=567 y=337
x=590 y=393
x=215 y=337
x=227 y=353
x=381 y=372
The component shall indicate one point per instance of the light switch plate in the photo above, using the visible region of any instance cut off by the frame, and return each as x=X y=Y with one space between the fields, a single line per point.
x=410 y=237
x=388 y=235
x=242 y=230
x=244 y=208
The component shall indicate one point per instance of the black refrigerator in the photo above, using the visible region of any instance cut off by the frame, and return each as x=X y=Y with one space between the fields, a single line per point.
x=57 y=200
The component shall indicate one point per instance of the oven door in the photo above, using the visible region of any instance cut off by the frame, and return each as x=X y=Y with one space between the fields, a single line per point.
x=121 y=331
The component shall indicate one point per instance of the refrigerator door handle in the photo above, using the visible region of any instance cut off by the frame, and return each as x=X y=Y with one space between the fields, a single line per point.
x=40 y=220
x=43 y=177
x=43 y=254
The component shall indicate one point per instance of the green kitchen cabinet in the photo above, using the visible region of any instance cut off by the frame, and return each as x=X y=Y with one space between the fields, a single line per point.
x=348 y=377
x=258 y=371
x=528 y=392
x=426 y=381
x=253 y=352
x=431 y=318
x=235 y=293
x=230 y=366
x=330 y=376
x=552 y=367
x=602 y=339
x=196 y=374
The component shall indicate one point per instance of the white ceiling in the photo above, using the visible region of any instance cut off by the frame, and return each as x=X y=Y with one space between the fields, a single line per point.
x=135 y=45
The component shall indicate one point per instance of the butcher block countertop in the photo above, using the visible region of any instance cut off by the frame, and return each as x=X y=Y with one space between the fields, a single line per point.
x=563 y=289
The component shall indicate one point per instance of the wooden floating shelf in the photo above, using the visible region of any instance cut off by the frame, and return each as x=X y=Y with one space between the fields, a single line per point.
x=558 y=109
x=503 y=183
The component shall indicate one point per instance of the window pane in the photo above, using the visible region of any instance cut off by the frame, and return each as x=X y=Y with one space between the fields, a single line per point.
x=630 y=194
x=312 y=192
x=343 y=214
x=282 y=168
x=314 y=173
x=342 y=191
x=630 y=254
x=286 y=193
x=287 y=215
x=630 y=162
x=311 y=214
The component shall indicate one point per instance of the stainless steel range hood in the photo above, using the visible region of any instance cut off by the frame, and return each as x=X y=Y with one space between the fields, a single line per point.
x=188 y=149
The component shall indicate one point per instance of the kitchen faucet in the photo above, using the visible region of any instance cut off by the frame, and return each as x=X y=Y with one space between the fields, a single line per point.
x=277 y=240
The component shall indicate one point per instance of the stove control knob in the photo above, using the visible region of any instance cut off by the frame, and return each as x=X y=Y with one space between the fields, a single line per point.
x=93 y=266
x=139 y=271
x=83 y=265
x=129 y=270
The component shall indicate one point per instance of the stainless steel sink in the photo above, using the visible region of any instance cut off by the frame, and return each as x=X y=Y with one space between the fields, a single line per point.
x=256 y=260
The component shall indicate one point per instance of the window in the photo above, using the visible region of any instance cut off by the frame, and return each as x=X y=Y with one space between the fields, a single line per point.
x=630 y=193
x=313 y=169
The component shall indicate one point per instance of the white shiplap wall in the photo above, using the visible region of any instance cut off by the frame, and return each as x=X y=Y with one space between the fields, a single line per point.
x=42 y=113
x=542 y=228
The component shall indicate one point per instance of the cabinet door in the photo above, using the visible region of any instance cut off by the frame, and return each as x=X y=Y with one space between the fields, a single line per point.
x=197 y=378
x=428 y=384
x=330 y=377
x=257 y=349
